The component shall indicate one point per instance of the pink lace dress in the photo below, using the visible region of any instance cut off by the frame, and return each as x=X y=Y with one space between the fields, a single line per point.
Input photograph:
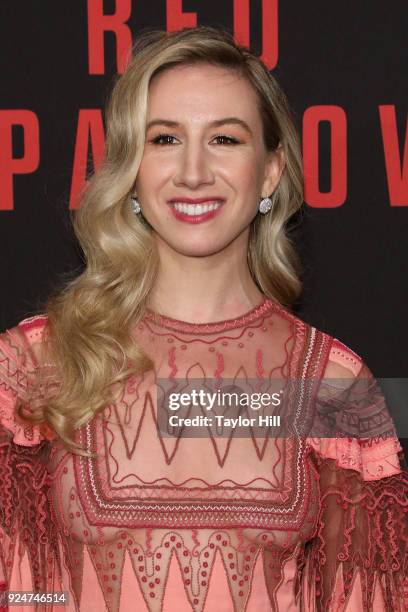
x=156 y=523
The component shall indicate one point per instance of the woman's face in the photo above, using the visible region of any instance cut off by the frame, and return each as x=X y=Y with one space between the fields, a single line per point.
x=204 y=166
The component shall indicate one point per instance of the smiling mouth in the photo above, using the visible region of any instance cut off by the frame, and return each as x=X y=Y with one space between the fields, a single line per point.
x=195 y=210
x=198 y=211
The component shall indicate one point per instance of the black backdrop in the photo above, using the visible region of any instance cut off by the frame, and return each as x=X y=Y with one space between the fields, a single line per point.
x=343 y=66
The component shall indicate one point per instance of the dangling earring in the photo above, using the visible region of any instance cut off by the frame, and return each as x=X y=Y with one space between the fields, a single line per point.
x=265 y=205
x=135 y=205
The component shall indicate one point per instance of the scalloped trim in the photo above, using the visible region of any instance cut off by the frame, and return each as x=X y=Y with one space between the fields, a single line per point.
x=381 y=460
x=210 y=328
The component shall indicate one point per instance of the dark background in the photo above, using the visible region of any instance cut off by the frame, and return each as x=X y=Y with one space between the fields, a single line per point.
x=349 y=54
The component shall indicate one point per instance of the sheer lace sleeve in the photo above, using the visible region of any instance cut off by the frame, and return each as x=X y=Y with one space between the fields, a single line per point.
x=25 y=527
x=358 y=558
x=15 y=361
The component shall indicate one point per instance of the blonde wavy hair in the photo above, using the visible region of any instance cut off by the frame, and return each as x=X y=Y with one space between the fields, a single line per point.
x=89 y=332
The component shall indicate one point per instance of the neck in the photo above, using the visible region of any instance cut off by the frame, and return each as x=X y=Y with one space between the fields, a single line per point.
x=204 y=289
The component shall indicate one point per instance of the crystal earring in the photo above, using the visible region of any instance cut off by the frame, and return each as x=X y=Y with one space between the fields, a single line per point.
x=135 y=205
x=265 y=205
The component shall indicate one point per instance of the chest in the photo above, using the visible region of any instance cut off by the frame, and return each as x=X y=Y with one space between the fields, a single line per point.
x=140 y=479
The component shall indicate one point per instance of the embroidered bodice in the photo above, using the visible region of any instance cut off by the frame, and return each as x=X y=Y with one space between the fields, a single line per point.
x=155 y=522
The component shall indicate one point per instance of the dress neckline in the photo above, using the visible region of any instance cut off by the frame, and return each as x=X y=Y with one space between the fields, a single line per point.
x=257 y=312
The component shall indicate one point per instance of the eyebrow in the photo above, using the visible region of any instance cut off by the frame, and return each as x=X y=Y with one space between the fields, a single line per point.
x=216 y=123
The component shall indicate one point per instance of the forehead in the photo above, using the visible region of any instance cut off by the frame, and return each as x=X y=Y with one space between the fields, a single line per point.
x=199 y=91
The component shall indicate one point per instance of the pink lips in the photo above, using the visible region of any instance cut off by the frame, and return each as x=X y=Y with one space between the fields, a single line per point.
x=194 y=219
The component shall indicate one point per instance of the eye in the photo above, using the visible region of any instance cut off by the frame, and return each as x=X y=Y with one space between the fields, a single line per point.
x=226 y=140
x=163 y=139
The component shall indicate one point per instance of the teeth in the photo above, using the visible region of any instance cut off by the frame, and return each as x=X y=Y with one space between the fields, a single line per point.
x=195 y=209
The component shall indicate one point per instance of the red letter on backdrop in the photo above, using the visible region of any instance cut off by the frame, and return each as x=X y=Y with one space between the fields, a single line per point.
x=98 y=24
x=9 y=165
x=397 y=172
x=90 y=128
x=176 y=19
x=338 y=122
x=269 y=28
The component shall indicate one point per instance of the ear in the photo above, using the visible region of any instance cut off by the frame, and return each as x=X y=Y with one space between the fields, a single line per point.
x=274 y=166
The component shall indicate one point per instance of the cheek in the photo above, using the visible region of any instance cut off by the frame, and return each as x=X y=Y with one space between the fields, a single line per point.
x=245 y=172
x=148 y=180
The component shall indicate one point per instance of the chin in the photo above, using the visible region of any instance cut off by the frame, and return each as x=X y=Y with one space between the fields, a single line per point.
x=198 y=250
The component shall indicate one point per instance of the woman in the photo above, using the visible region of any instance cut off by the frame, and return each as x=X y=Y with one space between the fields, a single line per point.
x=189 y=277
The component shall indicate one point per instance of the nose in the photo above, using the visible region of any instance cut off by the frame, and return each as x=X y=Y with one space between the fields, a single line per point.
x=194 y=167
